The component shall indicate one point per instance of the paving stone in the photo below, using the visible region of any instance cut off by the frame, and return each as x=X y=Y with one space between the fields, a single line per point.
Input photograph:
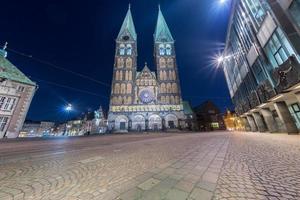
x=175 y=194
x=148 y=184
x=200 y=194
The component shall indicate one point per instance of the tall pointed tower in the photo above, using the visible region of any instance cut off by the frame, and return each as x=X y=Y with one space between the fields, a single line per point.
x=165 y=58
x=125 y=64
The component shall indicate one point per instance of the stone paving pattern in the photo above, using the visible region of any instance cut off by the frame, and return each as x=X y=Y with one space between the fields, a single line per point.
x=219 y=165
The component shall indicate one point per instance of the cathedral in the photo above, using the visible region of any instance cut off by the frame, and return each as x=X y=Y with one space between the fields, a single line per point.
x=145 y=100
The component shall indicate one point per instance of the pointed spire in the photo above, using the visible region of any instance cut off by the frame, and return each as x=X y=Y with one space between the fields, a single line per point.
x=3 y=51
x=128 y=25
x=162 y=31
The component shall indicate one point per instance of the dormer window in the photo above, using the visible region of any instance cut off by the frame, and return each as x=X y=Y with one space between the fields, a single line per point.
x=128 y=49
x=122 y=49
x=168 y=49
x=162 y=50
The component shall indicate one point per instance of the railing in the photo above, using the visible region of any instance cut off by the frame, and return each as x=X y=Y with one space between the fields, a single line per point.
x=287 y=74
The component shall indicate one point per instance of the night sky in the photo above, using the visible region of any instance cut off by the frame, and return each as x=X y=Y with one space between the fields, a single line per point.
x=80 y=36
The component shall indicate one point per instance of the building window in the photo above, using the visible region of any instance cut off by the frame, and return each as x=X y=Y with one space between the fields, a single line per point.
x=3 y=123
x=295 y=11
x=129 y=49
x=7 y=104
x=122 y=49
x=168 y=49
x=162 y=50
x=21 y=88
x=295 y=112
x=278 y=49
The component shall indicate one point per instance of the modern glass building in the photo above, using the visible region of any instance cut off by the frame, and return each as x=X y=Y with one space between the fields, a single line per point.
x=261 y=63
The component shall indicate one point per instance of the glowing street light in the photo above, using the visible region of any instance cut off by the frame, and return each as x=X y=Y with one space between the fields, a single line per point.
x=69 y=107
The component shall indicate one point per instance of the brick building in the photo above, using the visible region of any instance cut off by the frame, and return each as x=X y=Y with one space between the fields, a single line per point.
x=16 y=93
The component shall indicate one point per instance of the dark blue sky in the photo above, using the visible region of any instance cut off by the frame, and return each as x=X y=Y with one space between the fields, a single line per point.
x=79 y=36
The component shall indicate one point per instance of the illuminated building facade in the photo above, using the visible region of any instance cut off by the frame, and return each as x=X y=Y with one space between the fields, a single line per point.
x=145 y=100
x=261 y=63
x=16 y=93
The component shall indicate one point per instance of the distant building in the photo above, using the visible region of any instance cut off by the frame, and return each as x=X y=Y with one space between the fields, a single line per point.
x=233 y=122
x=209 y=117
x=37 y=129
x=16 y=93
x=145 y=100
x=190 y=117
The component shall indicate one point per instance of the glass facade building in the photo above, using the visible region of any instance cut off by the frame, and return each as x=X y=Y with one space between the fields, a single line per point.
x=261 y=63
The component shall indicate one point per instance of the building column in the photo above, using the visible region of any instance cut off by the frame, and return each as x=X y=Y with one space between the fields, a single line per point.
x=259 y=122
x=252 y=123
x=269 y=119
x=286 y=117
x=247 y=125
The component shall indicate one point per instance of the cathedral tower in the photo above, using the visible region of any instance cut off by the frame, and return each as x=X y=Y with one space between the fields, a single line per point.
x=125 y=63
x=165 y=58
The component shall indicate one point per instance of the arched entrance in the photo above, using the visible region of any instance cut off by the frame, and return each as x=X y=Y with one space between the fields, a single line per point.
x=155 y=123
x=138 y=123
x=121 y=123
x=171 y=121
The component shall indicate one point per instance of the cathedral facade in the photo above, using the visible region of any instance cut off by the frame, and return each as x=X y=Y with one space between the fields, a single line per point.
x=145 y=100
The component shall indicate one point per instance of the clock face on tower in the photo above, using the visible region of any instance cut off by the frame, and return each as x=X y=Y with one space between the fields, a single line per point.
x=146 y=96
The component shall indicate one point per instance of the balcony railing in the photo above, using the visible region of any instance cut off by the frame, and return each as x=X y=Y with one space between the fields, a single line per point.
x=287 y=74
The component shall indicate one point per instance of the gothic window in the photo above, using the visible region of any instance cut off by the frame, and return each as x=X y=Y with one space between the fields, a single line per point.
x=117 y=88
x=120 y=63
x=122 y=49
x=163 y=99
x=167 y=100
x=168 y=49
x=165 y=75
x=126 y=76
x=170 y=62
x=177 y=100
x=172 y=100
x=174 y=75
x=174 y=87
x=162 y=50
x=120 y=100
x=129 y=100
x=128 y=49
x=162 y=62
x=121 y=76
x=129 y=88
x=129 y=76
x=128 y=62
x=117 y=75
x=163 y=88
x=161 y=75
x=114 y=100
x=169 y=88
x=170 y=75
x=123 y=88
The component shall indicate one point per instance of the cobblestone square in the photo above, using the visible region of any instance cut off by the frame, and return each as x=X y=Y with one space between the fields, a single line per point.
x=216 y=165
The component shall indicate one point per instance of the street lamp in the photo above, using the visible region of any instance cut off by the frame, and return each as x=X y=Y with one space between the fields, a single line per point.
x=68 y=109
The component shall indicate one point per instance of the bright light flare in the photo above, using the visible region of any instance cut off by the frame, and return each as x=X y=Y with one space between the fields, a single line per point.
x=69 y=107
x=222 y=1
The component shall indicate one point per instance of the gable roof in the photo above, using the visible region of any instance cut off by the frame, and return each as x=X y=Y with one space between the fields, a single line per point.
x=11 y=72
x=128 y=26
x=162 y=31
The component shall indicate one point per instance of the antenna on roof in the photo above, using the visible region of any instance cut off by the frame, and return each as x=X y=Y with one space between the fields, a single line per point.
x=129 y=6
x=5 y=46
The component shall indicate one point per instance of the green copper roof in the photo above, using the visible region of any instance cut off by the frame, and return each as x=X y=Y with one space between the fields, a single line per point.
x=162 y=31
x=11 y=72
x=128 y=26
x=187 y=109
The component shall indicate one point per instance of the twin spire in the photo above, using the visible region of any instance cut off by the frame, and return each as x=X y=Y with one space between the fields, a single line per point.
x=162 y=31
